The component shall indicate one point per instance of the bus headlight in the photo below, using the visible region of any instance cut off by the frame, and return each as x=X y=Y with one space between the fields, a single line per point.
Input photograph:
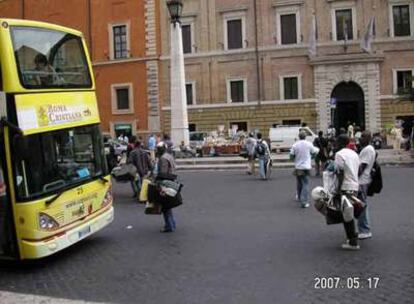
x=46 y=222
x=108 y=198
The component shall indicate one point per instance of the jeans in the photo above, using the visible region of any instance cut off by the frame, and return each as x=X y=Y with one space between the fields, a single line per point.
x=263 y=166
x=363 y=220
x=168 y=219
x=302 y=187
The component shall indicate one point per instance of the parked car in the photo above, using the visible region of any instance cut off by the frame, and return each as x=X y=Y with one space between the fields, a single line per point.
x=283 y=137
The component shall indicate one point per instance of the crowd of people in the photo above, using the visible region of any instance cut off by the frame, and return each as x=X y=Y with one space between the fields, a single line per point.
x=153 y=160
x=351 y=155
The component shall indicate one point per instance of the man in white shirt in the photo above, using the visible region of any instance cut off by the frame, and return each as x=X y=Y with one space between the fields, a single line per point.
x=347 y=163
x=367 y=158
x=123 y=138
x=302 y=152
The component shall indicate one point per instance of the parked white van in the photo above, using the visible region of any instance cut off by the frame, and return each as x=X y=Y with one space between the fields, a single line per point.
x=283 y=137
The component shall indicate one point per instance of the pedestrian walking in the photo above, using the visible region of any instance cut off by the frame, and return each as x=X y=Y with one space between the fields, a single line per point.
x=367 y=159
x=141 y=160
x=250 y=148
x=263 y=153
x=302 y=152
x=331 y=133
x=131 y=145
x=168 y=143
x=358 y=134
x=320 y=159
x=347 y=165
x=396 y=132
x=351 y=130
x=152 y=144
x=166 y=170
x=123 y=138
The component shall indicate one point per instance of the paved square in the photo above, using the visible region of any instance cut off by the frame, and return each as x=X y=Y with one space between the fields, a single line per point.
x=239 y=240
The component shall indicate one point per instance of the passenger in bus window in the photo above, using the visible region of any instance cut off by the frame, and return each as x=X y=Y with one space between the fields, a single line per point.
x=45 y=71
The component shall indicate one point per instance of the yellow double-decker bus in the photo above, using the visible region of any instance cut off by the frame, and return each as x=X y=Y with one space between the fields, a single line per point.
x=54 y=186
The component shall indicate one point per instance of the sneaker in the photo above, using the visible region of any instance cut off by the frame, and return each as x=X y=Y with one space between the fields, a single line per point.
x=166 y=230
x=305 y=205
x=348 y=246
x=366 y=235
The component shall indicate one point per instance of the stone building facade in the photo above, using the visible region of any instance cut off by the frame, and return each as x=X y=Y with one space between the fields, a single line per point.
x=123 y=40
x=253 y=63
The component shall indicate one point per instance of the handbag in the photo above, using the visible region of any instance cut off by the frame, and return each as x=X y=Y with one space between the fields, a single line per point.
x=143 y=194
x=169 y=194
x=125 y=173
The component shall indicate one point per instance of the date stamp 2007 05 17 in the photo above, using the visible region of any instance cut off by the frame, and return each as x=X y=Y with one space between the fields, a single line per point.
x=346 y=283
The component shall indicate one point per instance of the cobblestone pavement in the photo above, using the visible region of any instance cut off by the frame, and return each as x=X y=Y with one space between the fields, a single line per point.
x=239 y=240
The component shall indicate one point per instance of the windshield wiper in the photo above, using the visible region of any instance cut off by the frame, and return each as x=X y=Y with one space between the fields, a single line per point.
x=103 y=179
x=61 y=191
x=51 y=200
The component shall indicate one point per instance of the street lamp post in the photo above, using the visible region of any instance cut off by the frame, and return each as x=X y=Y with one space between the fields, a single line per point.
x=179 y=116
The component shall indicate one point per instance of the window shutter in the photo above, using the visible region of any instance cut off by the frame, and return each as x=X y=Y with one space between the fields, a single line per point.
x=187 y=43
x=288 y=28
x=234 y=34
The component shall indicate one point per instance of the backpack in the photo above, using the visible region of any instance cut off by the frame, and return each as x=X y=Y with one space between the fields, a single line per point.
x=376 y=183
x=260 y=148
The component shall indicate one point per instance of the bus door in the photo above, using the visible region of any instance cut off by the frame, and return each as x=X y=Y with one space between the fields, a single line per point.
x=8 y=245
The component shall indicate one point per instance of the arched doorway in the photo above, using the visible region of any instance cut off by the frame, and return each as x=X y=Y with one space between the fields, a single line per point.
x=350 y=106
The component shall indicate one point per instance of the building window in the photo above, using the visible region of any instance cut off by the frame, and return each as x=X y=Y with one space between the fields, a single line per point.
x=119 y=41
x=192 y=127
x=234 y=30
x=236 y=90
x=234 y=34
x=401 y=20
x=122 y=99
x=290 y=87
x=344 y=24
x=291 y=122
x=187 y=38
x=288 y=28
x=288 y=25
x=241 y=126
x=403 y=81
x=190 y=92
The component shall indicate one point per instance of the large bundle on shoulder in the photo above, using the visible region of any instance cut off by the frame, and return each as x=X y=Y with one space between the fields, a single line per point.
x=124 y=173
x=167 y=193
x=337 y=208
x=161 y=194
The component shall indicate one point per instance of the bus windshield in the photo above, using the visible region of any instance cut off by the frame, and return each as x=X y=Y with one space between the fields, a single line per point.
x=48 y=162
x=49 y=59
